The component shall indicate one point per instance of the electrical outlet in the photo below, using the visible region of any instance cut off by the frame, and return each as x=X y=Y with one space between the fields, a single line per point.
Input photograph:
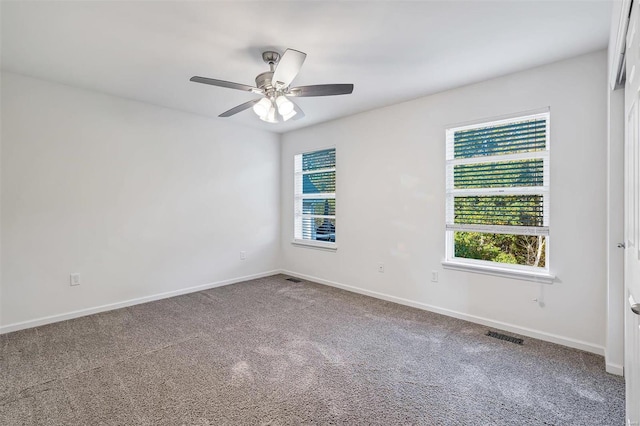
x=74 y=279
x=434 y=276
x=380 y=267
x=243 y=255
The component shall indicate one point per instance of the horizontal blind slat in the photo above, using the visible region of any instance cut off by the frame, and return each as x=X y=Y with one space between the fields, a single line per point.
x=525 y=210
x=490 y=229
x=319 y=206
x=319 y=159
x=503 y=128
x=527 y=135
x=513 y=173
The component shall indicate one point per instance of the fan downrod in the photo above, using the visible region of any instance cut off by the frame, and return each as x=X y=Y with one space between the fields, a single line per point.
x=263 y=80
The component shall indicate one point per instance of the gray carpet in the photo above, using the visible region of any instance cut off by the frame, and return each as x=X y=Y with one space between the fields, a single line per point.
x=273 y=352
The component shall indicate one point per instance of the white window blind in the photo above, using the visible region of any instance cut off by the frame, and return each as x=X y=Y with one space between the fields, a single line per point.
x=315 y=196
x=497 y=182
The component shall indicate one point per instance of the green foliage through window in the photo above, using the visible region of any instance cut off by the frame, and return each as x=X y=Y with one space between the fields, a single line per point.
x=503 y=248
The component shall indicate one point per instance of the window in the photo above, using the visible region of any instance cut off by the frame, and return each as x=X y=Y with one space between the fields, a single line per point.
x=315 y=198
x=497 y=205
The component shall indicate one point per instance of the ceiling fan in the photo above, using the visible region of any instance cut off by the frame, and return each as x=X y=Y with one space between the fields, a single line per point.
x=275 y=105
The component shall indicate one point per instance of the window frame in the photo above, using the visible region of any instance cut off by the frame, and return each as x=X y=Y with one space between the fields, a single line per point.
x=526 y=272
x=297 y=198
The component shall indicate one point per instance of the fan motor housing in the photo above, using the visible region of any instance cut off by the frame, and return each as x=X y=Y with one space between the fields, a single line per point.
x=263 y=81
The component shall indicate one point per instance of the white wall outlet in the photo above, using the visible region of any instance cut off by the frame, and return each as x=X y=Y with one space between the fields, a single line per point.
x=434 y=276
x=74 y=279
x=243 y=255
x=380 y=267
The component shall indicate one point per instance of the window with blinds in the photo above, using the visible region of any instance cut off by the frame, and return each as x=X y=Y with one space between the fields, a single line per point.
x=315 y=197
x=497 y=194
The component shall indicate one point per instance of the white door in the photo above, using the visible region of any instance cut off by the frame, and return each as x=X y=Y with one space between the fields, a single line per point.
x=631 y=225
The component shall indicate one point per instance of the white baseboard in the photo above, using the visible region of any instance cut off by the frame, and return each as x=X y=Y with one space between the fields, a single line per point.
x=536 y=334
x=553 y=338
x=111 y=306
x=616 y=369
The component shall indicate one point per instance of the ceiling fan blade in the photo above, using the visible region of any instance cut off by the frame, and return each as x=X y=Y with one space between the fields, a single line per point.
x=321 y=90
x=288 y=67
x=240 y=108
x=227 y=84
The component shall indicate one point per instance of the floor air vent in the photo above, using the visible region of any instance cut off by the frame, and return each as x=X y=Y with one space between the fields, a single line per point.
x=504 y=337
x=294 y=280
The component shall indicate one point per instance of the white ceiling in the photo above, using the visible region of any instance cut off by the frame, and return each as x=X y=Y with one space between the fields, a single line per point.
x=391 y=50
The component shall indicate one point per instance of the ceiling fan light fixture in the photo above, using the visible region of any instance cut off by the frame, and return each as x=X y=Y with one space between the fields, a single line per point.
x=285 y=106
x=262 y=108
x=270 y=117
x=288 y=116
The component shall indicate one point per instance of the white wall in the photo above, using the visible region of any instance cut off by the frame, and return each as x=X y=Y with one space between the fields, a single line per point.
x=139 y=199
x=390 y=201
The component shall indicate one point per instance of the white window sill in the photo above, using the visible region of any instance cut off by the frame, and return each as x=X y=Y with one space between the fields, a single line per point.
x=319 y=245
x=539 y=277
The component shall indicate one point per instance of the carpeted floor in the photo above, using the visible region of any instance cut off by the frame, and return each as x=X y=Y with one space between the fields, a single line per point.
x=273 y=352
